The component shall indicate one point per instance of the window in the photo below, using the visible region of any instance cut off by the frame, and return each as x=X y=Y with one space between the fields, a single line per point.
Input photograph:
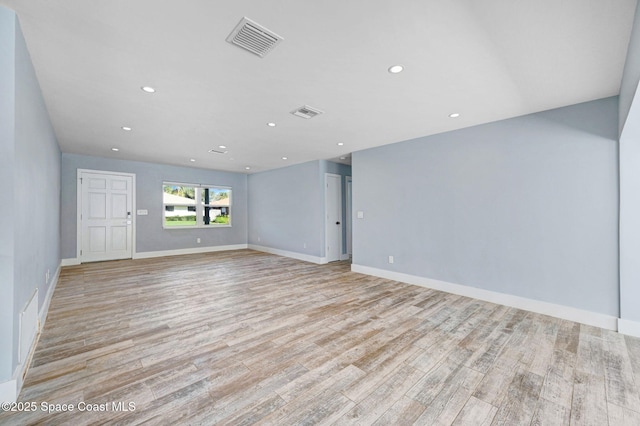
x=195 y=206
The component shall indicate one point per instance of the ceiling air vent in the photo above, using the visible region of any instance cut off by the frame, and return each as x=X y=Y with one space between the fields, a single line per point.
x=306 y=112
x=254 y=37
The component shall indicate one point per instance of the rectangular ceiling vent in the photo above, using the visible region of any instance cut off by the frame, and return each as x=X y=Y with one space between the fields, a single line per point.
x=254 y=37
x=306 y=112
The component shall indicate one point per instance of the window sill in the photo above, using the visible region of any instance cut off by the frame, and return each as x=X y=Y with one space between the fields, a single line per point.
x=197 y=227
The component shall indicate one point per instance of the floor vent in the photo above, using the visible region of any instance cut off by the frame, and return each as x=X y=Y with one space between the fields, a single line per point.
x=254 y=37
x=306 y=112
x=28 y=327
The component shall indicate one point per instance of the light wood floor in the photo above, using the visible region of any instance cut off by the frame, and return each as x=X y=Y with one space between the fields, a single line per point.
x=245 y=337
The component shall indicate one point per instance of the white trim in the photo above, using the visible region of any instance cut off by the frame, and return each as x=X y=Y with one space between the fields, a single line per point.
x=630 y=328
x=328 y=227
x=70 y=262
x=348 y=197
x=79 y=208
x=79 y=212
x=559 y=311
x=14 y=386
x=198 y=187
x=194 y=250
x=291 y=254
x=44 y=310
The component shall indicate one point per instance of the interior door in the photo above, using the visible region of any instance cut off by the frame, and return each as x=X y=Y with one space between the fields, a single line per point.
x=106 y=216
x=333 y=202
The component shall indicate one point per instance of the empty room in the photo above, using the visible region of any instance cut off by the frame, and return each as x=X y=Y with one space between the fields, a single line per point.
x=294 y=213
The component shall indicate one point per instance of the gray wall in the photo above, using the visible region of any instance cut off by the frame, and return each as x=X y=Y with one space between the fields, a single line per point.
x=631 y=74
x=286 y=207
x=7 y=154
x=37 y=183
x=32 y=179
x=630 y=180
x=629 y=228
x=526 y=206
x=150 y=236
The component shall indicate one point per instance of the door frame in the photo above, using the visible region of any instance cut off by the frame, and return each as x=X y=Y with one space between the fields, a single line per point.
x=79 y=208
x=326 y=206
x=348 y=197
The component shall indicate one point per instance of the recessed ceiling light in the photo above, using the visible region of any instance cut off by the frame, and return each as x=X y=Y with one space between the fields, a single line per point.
x=247 y=168
x=340 y=143
x=115 y=149
x=284 y=158
x=271 y=124
x=193 y=160
x=454 y=115
x=148 y=89
x=343 y=158
x=222 y=147
x=396 y=69
x=126 y=128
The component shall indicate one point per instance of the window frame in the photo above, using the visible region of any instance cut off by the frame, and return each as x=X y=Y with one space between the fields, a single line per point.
x=199 y=206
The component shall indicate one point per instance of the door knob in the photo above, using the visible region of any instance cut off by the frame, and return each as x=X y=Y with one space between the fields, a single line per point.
x=337 y=223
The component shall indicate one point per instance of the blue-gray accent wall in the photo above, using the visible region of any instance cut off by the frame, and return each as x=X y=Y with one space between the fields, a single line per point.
x=286 y=207
x=629 y=122
x=30 y=172
x=631 y=74
x=7 y=154
x=150 y=235
x=526 y=206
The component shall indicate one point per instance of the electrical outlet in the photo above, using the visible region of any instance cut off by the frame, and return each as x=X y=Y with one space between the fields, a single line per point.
x=360 y=215
x=259 y=238
x=198 y=240
x=390 y=259
x=47 y=276
x=304 y=245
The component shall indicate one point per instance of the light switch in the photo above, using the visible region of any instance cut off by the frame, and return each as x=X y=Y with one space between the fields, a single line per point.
x=142 y=212
x=360 y=215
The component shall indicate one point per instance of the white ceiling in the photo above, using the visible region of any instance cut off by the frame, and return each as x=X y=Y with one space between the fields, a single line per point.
x=487 y=60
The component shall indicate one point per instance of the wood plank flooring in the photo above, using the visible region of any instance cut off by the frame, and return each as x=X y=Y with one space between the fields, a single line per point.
x=243 y=337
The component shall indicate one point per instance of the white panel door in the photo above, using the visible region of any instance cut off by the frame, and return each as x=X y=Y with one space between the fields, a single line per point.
x=333 y=203
x=106 y=223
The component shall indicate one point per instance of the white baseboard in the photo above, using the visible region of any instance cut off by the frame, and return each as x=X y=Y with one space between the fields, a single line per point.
x=70 y=262
x=14 y=386
x=44 y=310
x=163 y=253
x=559 y=311
x=630 y=328
x=291 y=254
x=194 y=250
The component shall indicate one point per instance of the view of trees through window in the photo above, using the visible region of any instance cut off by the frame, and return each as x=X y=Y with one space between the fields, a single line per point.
x=181 y=191
x=182 y=210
